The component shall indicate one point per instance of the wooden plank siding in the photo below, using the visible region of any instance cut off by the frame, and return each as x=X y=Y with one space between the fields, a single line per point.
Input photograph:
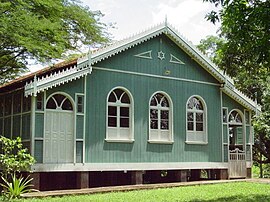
x=142 y=87
x=128 y=62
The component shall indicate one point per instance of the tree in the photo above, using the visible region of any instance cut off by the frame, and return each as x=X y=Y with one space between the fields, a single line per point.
x=246 y=56
x=212 y=47
x=43 y=30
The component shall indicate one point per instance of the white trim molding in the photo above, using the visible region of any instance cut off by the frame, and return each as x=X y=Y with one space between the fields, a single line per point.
x=57 y=78
x=159 y=135
x=195 y=136
x=127 y=166
x=118 y=133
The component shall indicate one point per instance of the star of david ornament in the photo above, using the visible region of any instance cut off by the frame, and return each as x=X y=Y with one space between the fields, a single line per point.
x=161 y=55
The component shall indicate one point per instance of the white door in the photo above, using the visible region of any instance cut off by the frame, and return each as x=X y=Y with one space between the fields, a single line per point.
x=59 y=131
x=237 y=156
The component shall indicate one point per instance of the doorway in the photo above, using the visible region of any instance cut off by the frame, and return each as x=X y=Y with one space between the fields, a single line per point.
x=59 y=130
x=237 y=156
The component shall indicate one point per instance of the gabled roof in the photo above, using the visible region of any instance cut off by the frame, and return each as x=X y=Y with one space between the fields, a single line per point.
x=192 y=51
x=120 y=46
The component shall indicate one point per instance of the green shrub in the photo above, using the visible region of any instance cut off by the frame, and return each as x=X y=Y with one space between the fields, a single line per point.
x=16 y=187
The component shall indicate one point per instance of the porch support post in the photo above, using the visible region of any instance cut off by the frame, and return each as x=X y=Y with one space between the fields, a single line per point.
x=36 y=180
x=136 y=177
x=195 y=174
x=249 y=172
x=221 y=174
x=82 y=180
x=181 y=175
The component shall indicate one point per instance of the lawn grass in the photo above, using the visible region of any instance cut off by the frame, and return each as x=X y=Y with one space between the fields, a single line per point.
x=239 y=191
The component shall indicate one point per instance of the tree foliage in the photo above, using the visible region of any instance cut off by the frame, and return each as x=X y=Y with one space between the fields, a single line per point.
x=43 y=30
x=245 y=56
x=212 y=47
x=13 y=157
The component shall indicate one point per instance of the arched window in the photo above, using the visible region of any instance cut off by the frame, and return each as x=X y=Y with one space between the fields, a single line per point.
x=196 y=120
x=119 y=116
x=236 y=133
x=160 y=116
x=59 y=102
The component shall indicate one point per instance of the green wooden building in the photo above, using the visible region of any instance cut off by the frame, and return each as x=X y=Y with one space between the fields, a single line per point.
x=128 y=111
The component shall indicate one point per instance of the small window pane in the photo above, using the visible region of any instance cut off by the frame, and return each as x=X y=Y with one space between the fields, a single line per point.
x=247 y=117
x=80 y=104
x=40 y=101
x=164 y=114
x=124 y=112
x=194 y=103
x=118 y=93
x=238 y=118
x=59 y=98
x=153 y=113
x=112 y=97
x=224 y=111
x=17 y=103
x=165 y=102
x=199 y=117
x=154 y=124
x=125 y=99
x=51 y=104
x=199 y=105
x=235 y=117
x=112 y=121
x=199 y=126
x=190 y=116
x=112 y=111
x=124 y=122
x=26 y=104
x=153 y=101
x=67 y=105
x=190 y=126
x=164 y=124
x=80 y=99
x=80 y=108
x=159 y=96
x=8 y=102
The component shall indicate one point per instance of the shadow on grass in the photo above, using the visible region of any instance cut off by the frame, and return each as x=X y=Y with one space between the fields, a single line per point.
x=240 y=198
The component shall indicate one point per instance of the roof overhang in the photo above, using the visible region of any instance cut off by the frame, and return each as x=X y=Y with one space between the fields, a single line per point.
x=40 y=84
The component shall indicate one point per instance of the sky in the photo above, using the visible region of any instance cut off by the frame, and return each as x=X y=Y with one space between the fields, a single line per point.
x=133 y=16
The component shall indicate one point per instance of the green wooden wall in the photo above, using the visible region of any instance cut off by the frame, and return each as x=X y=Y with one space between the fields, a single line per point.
x=142 y=87
x=127 y=61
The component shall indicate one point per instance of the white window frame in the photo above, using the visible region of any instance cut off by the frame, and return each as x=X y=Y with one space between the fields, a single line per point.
x=242 y=123
x=158 y=131
x=197 y=137
x=130 y=136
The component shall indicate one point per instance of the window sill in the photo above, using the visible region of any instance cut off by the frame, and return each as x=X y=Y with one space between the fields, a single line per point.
x=160 y=142
x=196 y=142
x=120 y=140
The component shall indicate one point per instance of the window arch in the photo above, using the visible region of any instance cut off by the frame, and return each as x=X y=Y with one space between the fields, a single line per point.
x=196 y=119
x=119 y=115
x=236 y=132
x=235 y=117
x=59 y=102
x=160 y=118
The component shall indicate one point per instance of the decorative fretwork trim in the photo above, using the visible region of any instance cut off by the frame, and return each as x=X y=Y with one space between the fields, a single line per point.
x=40 y=84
